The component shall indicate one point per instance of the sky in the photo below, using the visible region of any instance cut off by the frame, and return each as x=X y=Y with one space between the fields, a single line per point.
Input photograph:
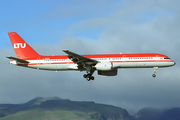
x=93 y=27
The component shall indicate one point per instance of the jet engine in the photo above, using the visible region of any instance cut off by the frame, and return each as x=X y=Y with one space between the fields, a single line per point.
x=108 y=73
x=104 y=66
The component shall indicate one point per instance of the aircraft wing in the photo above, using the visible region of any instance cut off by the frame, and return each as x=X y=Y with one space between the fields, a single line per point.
x=18 y=60
x=80 y=57
x=80 y=60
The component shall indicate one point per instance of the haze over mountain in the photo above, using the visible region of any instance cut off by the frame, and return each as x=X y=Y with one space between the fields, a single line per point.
x=158 y=114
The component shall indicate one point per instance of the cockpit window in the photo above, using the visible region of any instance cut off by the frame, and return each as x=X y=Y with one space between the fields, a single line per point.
x=166 y=58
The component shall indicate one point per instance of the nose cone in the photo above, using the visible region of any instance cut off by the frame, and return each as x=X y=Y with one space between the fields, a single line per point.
x=173 y=63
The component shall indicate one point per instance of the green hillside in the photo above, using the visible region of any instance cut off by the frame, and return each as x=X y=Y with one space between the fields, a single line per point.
x=61 y=109
x=42 y=114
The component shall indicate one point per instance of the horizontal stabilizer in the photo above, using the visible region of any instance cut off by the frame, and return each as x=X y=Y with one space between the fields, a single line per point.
x=18 y=60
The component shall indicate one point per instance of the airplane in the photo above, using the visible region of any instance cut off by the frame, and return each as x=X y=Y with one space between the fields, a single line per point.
x=104 y=64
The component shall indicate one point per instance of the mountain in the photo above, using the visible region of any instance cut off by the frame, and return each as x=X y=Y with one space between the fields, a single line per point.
x=172 y=114
x=57 y=108
x=157 y=114
x=148 y=114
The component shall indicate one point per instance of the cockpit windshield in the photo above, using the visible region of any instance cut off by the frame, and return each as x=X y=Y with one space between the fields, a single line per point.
x=166 y=58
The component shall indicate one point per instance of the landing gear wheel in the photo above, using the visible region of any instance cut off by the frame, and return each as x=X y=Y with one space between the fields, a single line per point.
x=92 y=77
x=88 y=77
x=85 y=76
x=154 y=75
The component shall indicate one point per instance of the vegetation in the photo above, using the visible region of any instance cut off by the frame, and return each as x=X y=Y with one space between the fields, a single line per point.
x=55 y=108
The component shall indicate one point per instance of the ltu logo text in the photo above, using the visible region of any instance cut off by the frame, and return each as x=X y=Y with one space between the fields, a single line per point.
x=19 y=45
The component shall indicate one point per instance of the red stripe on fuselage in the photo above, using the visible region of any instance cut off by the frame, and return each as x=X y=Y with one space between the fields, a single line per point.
x=107 y=56
x=101 y=56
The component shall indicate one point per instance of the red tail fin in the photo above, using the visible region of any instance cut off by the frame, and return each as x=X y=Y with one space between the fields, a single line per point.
x=22 y=49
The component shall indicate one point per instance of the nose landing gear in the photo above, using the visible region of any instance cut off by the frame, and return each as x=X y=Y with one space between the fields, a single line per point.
x=155 y=70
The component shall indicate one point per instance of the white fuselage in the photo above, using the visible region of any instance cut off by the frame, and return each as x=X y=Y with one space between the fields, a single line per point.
x=124 y=62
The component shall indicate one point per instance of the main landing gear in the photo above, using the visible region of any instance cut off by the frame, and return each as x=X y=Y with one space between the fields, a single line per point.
x=89 y=71
x=88 y=77
x=155 y=70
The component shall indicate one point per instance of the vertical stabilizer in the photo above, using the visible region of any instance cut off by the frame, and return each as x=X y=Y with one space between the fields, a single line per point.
x=21 y=48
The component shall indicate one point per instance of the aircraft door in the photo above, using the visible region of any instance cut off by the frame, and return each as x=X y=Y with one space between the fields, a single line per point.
x=38 y=61
x=123 y=58
x=157 y=58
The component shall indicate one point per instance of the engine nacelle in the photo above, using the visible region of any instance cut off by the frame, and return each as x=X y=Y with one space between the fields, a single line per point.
x=108 y=73
x=104 y=66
